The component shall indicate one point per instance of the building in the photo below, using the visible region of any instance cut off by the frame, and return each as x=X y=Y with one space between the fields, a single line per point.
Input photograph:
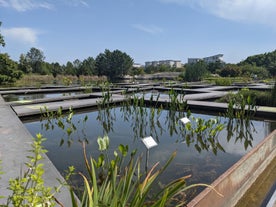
x=169 y=63
x=211 y=59
x=137 y=65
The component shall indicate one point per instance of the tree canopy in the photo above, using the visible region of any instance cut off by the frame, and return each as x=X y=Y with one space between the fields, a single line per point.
x=196 y=71
x=8 y=70
x=35 y=58
x=113 y=64
x=2 y=42
x=266 y=60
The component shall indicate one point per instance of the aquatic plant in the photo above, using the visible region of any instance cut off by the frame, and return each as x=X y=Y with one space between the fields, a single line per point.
x=129 y=186
x=239 y=113
x=203 y=134
x=64 y=121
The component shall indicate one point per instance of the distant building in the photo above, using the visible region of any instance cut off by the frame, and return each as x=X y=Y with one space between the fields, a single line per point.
x=137 y=65
x=170 y=63
x=211 y=59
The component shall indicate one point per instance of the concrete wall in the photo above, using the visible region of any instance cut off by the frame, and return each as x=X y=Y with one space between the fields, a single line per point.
x=238 y=179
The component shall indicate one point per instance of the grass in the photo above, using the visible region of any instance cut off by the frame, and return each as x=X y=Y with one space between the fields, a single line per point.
x=34 y=80
x=260 y=98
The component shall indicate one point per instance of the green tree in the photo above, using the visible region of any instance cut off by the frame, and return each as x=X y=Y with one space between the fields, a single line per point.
x=272 y=68
x=56 y=69
x=196 y=71
x=35 y=58
x=254 y=71
x=87 y=67
x=230 y=70
x=266 y=60
x=69 y=69
x=8 y=70
x=77 y=64
x=2 y=42
x=24 y=65
x=213 y=67
x=114 y=64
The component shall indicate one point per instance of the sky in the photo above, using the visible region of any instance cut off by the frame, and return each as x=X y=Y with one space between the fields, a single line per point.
x=147 y=30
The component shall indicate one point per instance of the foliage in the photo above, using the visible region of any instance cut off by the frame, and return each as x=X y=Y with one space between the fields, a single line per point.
x=35 y=58
x=273 y=95
x=266 y=60
x=204 y=133
x=196 y=71
x=230 y=70
x=260 y=98
x=214 y=67
x=24 y=65
x=254 y=71
x=160 y=68
x=2 y=42
x=64 y=121
x=108 y=184
x=240 y=111
x=137 y=71
x=8 y=70
x=223 y=81
x=29 y=189
x=113 y=64
x=87 y=67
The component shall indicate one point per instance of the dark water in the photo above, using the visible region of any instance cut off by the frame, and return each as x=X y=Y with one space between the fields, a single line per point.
x=129 y=126
x=23 y=97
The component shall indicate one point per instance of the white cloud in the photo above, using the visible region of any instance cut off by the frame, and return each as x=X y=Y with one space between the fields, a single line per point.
x=151 y=29
x=23 y=35
x=77 y=3
x=253 y=11
x=24 y=5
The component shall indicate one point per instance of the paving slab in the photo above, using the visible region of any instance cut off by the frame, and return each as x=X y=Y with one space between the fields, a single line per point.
x=15 y=141
x=34 y=109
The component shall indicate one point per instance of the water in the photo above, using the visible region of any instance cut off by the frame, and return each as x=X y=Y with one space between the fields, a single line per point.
x=128 y=125
x=24 y=97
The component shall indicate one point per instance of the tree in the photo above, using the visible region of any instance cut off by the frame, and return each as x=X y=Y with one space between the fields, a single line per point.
x=77 y=65
x=87 y=67
x=8 y=70
x=196 y=71
x=114 y=64
x=56 y=69
x=35 y=58
x=2 y=42
x=69 y=69
x=213 y=67
x=266 y=60
x=230 y=70
x=254 y=71
x=24 y=65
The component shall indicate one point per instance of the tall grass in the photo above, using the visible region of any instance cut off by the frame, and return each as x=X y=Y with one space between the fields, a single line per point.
x=34 y=80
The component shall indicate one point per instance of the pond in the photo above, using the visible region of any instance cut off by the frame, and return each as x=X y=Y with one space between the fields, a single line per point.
x=33 y=96
x=127 y=125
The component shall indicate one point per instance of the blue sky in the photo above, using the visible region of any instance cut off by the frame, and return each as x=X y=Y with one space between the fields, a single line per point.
x=147 y=30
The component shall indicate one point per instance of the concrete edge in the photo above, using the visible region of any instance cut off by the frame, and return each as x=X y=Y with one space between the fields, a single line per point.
x=230 y=184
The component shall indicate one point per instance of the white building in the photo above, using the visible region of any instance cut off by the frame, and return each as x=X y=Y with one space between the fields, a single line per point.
x=137 y=65
x=211 y=59
x=170 y=63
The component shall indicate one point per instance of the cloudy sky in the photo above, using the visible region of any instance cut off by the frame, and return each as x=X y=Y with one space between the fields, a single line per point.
x=147 y=30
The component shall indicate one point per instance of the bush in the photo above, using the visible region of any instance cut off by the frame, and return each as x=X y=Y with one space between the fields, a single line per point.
x=259 y=98
x=223 y=81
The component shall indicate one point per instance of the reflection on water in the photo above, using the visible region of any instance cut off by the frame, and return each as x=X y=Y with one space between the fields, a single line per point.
x=23 y=97
x=127 y=125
